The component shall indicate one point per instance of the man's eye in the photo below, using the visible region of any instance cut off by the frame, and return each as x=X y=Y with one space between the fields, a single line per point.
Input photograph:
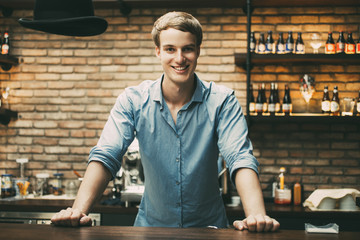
x=169 y=49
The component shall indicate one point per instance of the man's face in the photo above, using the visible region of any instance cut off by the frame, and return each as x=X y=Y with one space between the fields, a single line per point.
x=178 y=55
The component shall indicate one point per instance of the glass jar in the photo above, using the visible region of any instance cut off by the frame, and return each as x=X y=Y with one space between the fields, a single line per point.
x=57 y=186
x=7 y=189
x=41 y=187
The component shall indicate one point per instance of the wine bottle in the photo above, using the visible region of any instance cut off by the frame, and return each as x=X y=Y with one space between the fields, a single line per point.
x=335 y=103
x=330 y=44
x=277 y=100
x=269 y=45
x=251 y=100
x=287 y=105
x=259 y=101
x=358 y=105
x=252 y=42
x=272 y=100
x=280 y=45
x=350 y=44
x=299 y=46
x=289 y=46
x=340 y=44
x=325 y=102
x=265 y=104
x=261 y=45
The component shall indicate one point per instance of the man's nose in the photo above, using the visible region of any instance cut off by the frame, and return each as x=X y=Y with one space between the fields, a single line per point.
x=180 y=56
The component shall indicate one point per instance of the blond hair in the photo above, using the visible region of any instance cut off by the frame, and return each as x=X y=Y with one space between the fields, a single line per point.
x=178 y=20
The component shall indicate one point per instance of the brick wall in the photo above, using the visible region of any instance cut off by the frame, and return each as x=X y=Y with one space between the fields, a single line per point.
x=64 y=88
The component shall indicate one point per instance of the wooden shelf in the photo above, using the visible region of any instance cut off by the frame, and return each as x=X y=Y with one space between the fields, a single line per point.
x=29 y=4
x=303 y=59
x=6 y=115
x=304 y=118
x=6 y=62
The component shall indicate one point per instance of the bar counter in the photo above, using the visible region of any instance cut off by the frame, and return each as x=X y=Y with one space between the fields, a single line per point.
x=290 y=217
x=45 y=232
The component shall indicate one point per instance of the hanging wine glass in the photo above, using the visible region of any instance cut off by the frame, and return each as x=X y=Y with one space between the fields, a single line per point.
x=307 y=89
x=315 y=42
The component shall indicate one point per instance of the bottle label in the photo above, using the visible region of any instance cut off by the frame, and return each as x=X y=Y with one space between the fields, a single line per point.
x=280 y=48
x=252 y=47
x=258 y=107
x=325 y=106
x=271 y=107
x=252 y=107
x=349 y=48
x=289 y=48
x=5 y=49
x=261 y=48
x=358 y=107
x=287 y=107
x=329 y=48
x=340 y=47
x=277 y=107
x=334 y=106
x=300 y=48
x=358 y=48
x=269 y=47
x=265 y=107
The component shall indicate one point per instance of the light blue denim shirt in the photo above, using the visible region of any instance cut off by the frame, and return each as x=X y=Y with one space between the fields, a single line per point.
x=179 y=161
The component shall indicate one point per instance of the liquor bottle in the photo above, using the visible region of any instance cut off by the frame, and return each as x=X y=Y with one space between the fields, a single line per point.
x=287 y=105
x=297 y=194
x=289 y=46
x=277 y=100
x=259 y=101
x=299 y=46
x=358 y=106
x=265 y=104
x=251 y=100
x=340 y=44
x=330 y=44
x=269 y=45
x=261 y=45
x=272 y=100
x=358 y=46
x=325 y=102
x=280 y=45
x=350 y=44
x=335 y=103
x=5 y=46
x=252 y=42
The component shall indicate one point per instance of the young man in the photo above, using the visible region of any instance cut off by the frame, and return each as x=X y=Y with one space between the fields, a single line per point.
x=181 y=124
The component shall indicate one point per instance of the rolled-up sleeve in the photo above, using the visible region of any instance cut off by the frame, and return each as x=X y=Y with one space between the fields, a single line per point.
x=117 y=135
x=234 y=143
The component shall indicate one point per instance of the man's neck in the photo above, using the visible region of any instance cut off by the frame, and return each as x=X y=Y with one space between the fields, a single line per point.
x=178 y=94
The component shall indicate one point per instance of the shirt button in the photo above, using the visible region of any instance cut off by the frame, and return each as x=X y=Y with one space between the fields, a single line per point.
x=177 y=182
x=179 y=112
x=177 y=160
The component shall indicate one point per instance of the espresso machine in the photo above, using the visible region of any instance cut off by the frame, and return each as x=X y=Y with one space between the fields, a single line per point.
x=131 y=175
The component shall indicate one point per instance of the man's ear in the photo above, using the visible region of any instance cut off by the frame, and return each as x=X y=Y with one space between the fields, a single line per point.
x=157 y=51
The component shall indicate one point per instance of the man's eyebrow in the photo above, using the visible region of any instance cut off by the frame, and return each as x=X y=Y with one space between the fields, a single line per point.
x=170 y=45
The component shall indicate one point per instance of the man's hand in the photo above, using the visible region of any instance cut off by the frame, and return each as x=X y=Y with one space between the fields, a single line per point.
x=71 y=217
x=258 y=223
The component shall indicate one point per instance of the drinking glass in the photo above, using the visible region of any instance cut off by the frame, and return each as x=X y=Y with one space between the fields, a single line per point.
x=315 y=42
x=307 y=89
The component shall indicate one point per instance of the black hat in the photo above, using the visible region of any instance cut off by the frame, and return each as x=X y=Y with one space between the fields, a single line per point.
x=65 y=17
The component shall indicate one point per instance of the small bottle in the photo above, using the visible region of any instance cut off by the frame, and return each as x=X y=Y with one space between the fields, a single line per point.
x=350 y=44
x=252 y=42
x=259 y=101
x=57 y=187
x=299 y=47
x=7 y=189
x=287 y=105
x=297 y=194
x=325 y=102
x=340 y=44
x=358 y=105
x=282 y=193
x=277 y=100
x=289 y=46
x=265 y=103
x=330 y=45
x=269 y=45
x=281 y=181
x=358 y=47
x=261 y=45
x=5 y=46
x=272 y=100
x=251 y=100
x=335 y=103
x=280 y=45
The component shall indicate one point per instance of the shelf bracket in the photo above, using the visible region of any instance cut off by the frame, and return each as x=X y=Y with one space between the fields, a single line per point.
x=125 y=9
x=7 y=12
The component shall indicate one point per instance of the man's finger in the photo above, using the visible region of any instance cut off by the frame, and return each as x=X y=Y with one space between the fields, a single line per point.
x=240 y=225
x=268 y=224
x=251 y=223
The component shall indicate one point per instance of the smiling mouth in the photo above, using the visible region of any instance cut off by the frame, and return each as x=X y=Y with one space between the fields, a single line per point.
x=180 y=68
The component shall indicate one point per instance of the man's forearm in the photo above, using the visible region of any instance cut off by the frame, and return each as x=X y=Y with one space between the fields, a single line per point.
x=249 y=189
x=93 y=185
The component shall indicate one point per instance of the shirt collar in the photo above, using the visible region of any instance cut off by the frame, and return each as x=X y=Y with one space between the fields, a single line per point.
x=197 y=96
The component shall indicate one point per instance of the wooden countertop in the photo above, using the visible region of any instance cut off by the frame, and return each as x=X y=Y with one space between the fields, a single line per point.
x=45 y=232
